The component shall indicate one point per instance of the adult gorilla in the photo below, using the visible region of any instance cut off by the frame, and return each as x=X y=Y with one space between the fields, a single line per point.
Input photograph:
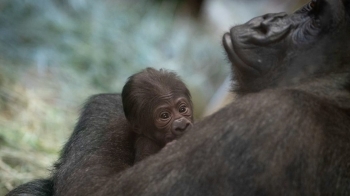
x=287 y=133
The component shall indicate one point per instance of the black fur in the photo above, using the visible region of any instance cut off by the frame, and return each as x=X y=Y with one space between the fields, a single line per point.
x=99 y=147
x=42 y=187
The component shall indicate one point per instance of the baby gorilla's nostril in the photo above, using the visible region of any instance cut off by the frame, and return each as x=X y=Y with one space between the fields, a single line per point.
x=183 y=128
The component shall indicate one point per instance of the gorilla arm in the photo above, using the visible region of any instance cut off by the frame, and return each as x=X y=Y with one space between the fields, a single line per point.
x=99 y=146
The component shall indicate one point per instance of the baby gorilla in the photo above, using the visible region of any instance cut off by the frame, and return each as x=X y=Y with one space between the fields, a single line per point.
x=158 y=109
x=158 y=106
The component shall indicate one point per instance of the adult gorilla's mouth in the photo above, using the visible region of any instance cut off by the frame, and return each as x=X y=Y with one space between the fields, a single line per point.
x=235 y=59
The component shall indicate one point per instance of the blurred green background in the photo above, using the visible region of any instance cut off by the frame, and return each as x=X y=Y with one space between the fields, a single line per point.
x=54 y=54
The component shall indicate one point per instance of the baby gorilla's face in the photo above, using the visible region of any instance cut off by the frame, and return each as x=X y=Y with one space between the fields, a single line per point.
x=172 y=118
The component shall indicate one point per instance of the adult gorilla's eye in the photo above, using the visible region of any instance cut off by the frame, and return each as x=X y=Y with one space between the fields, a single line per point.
x=310 y=6
x=164 y=115
x=182 y=109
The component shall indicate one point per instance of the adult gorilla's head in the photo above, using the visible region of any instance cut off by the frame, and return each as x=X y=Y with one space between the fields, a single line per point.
x=279 y=49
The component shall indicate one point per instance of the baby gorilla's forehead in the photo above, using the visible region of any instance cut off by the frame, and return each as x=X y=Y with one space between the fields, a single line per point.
x=171 y=102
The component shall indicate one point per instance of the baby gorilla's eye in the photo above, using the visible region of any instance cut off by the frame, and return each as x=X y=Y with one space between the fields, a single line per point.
x=164 y=115
x=182 y=109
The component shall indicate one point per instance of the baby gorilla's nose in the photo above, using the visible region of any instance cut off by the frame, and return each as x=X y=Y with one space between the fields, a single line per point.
x=180 y=125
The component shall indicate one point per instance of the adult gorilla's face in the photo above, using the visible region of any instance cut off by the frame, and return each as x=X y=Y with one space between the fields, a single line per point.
x=280 y=49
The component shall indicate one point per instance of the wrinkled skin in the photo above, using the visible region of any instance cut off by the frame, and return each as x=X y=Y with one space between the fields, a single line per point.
x=286 y=134
x=159 y=109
